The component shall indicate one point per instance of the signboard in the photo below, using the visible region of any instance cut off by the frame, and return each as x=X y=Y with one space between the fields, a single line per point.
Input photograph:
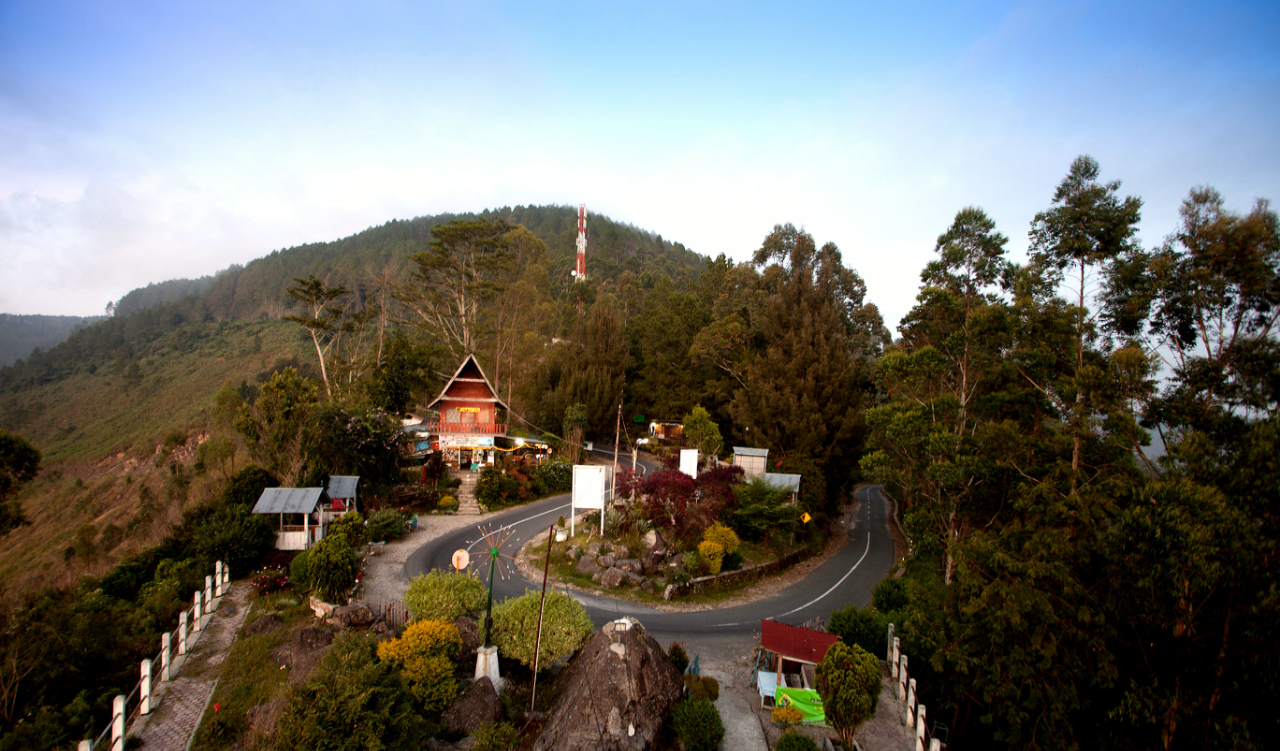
x=460 y=559
x=590 y=484
x=465 y=441
x=689 y=462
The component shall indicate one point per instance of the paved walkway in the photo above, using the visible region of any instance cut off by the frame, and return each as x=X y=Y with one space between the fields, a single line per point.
x=182 y=701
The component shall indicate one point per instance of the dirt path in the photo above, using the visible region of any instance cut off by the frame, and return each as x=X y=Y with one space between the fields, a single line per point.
x=384 y=579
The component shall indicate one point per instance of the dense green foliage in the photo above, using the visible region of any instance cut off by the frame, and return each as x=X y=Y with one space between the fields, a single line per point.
x=331 y=568
x=387 y=524
x=795 y=742
x=354 y=702
x=697 y=723
x=444 y=595
x=849 y=684
x=19 y=463
x=423 y=654
x=565 y=627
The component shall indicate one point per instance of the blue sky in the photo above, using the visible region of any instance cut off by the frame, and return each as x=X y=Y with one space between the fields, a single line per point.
x=146 y=141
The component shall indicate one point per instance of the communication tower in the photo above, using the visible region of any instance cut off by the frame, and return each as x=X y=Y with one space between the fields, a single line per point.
x=580 y=274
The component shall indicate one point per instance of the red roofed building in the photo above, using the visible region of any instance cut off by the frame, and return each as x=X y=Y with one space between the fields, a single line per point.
x=794 y=643
x=469 y=418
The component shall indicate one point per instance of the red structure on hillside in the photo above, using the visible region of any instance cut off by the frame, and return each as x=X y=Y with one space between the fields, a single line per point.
x=469 y=418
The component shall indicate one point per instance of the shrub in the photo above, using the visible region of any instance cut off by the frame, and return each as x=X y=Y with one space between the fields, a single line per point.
x=270 y=580
x=849 y=684
x=448 y=503
x=332 y=568
x=423 y=653
x=354 y=701
x=723 y=536
x=696 y=564
x=298 y=578
x=565 y=626
x=387 y=524
x=702 y=686
x=795 y=741
x=246 y=486
x=697 y=723
x=351 y=526
x=713 y=554
x=234 y=536
x=679 y=657
x=890 y=595
x=444 y=595
x=785 y=717
x=866 y=627
x=555 y=476
x=499 y=737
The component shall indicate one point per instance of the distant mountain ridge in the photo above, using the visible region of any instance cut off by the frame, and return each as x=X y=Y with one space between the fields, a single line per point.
x=20 y=335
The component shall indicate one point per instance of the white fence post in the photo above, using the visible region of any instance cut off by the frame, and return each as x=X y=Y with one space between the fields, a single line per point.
x=198 y=611
x=902 y=679
x=118 y=717
x=85 y=746
x=144 y=696
x=166 y=651
x=911 y=703
x=893 y=658
x=208 y=594
x=182 y=633
x=217 y=576
x=935 y=745
x=888 y=648
x=226 y=574
x=920 y=729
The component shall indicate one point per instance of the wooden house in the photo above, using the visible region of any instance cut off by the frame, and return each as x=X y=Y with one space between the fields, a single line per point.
x=302 y=523
x=469 y=418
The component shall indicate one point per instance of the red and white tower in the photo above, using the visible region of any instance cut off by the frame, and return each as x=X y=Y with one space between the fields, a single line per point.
x=581 y=273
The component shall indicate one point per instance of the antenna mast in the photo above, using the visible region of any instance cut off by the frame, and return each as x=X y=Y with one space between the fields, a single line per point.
x=580 y=275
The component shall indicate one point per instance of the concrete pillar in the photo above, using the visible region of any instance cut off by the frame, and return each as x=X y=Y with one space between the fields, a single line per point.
x=197 y=611
x=888 y=648
x=85 y=746
x=226 y=575
x=935 y=745
x=118 y=717
x=166 y=650
x=487 y=665
x=894 y=657
x=902 y=679
x=911 y=703
x=217 y=580
x=182 y=633
x=208 y=594
x=144 y=695
x=920 y=729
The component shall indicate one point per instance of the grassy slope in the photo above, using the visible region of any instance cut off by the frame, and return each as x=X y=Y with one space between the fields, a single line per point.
x=101 y=436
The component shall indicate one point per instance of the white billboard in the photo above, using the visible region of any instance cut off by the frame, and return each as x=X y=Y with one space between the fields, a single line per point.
x=590 y=488
x=689 y=462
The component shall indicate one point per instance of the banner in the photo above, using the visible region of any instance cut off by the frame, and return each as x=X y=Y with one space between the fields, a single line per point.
x=804 y=699
x=689 y=462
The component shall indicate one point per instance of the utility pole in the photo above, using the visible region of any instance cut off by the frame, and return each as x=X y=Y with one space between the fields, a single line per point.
x=617 y=435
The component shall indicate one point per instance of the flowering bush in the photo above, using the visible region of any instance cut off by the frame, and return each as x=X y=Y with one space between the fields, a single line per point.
x=423 y=654
x=270 y=580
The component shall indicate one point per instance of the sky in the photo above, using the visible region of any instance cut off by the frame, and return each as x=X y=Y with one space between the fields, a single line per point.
x=147 y=141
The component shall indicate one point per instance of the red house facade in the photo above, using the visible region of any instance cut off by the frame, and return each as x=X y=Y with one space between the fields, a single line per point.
x=469 y=418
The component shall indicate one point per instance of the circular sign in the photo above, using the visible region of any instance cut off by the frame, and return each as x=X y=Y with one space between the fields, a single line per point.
x=460 y=559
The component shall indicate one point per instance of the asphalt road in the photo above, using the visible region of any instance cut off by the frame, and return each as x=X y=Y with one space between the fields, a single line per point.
x=848 y=576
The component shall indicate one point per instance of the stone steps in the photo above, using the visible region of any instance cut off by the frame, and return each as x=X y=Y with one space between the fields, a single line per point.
x=466 y=493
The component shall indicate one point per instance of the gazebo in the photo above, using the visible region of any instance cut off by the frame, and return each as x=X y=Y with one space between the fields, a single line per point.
x=304 y=525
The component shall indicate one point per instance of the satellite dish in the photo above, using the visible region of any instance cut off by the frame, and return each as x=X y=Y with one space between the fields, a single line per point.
x=573 y=272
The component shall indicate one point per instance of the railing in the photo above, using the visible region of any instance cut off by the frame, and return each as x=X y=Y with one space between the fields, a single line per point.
x=913 y=718
x=466 y=428
x=395 y=613
x=121 y=717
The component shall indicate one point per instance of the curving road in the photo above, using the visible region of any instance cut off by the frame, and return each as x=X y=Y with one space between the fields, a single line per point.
x=848 y=576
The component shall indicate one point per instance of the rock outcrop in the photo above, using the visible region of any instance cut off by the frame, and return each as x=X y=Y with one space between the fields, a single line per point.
x=357 y=615
x=619 y=686
x=309 y=646
x=264 y=625
x=478 y=705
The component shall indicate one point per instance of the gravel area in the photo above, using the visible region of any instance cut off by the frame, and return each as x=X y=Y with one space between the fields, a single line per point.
x=384 y=579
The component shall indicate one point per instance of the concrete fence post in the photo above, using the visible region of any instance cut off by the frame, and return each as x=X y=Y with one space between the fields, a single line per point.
x=197 y=610
x=888 y=647
x=226 y=574
x=935 y=745
x=166 y=655
x=85 y=746
x=920 y=729
x=217 y=580
x=893 y=659
x=208 y=594
x=182 y=633
x=911 y=703
x=144 y=695
x=118 y=717
x=902 y=680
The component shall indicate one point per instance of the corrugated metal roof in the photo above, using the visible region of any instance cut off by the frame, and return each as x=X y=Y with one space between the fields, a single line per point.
x=740 y=451
x=780 y=481
x=795 y=643
x=289 y=500
x=343 y=486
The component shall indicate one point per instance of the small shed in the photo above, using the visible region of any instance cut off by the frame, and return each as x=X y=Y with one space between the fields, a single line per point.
x=752 y=461
x=342 y=491
x=301 y=525
x=797 y=645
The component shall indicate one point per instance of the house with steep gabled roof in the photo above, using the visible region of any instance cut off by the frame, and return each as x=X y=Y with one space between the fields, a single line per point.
x=469 y=414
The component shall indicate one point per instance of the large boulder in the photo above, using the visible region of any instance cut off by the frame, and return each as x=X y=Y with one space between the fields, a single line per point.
x=622 y=677
x=357 y=615
x=478 y=705
x=630 y=564
x=587 y=566
x=309 y=645
x=263 y=717
x=469 y=630
x=607 y=561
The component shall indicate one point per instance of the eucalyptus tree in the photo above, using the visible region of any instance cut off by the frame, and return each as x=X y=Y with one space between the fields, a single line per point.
x=324 y=318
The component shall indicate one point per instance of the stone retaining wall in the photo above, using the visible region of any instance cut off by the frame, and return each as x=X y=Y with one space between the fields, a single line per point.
x=734 y=578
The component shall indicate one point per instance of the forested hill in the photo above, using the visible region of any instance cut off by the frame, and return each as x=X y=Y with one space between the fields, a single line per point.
x=258 y=290
x=158 y=293
x=20 y=334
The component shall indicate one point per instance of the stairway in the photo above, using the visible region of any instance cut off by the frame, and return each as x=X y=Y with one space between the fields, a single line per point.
x=466 y=493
